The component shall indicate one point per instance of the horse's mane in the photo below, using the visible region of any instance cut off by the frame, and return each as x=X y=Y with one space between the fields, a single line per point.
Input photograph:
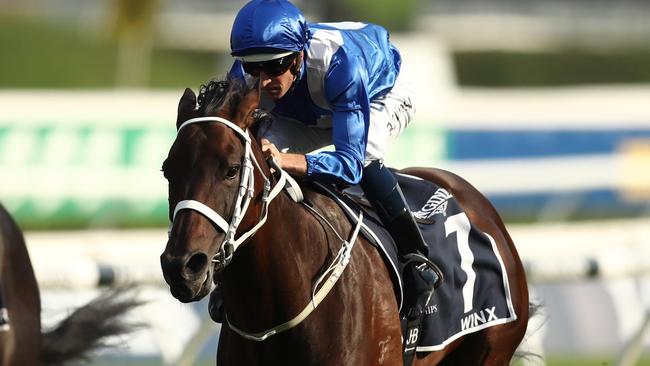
x=215 y=94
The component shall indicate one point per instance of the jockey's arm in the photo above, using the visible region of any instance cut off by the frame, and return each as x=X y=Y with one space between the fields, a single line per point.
x=344 y=164
x=294 y=164
x=346 y=91
x=347 y=94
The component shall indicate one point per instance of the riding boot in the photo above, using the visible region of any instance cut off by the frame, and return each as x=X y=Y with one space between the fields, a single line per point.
x=383 y=192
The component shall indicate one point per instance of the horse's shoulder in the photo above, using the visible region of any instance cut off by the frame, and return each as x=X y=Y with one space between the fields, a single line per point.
x=327 y=200
x=317 y=198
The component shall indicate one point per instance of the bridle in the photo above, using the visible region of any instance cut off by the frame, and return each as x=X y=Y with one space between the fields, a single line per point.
x=326 y=280
x=244 y=196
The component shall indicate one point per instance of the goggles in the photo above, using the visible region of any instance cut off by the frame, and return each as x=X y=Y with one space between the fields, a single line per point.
x=271 y=68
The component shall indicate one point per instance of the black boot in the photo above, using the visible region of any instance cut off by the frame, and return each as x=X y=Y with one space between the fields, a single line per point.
x=383 y=192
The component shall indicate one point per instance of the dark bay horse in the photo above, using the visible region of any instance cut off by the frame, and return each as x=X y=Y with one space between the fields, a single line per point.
x=74 y=338
x=218 y=193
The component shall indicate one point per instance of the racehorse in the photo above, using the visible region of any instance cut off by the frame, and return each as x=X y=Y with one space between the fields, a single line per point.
x=22 y=342
x=222 y=190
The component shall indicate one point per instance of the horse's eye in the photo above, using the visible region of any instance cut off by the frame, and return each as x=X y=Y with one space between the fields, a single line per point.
x=232 y=172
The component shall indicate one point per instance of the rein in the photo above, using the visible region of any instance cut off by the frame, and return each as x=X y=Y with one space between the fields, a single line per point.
x=244 y=196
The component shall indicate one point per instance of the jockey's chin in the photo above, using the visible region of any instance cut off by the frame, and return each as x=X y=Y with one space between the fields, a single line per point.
x=275 y=87
x=274 y=93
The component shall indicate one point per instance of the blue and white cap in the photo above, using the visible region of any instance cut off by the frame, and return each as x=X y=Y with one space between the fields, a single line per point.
x=266 y=30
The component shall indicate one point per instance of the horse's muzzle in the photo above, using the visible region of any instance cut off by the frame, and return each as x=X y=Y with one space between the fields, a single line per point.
x=188 y=277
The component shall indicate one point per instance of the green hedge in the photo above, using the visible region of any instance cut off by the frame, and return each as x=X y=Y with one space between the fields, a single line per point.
x=391 y=14
x=558 y=68
x=38 y=54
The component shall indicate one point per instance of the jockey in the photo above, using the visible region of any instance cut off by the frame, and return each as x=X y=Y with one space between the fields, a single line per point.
x=331 y=83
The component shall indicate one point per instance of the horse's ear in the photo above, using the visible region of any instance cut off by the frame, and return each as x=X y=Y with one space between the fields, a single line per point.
x=247 y=106
x=186 y=106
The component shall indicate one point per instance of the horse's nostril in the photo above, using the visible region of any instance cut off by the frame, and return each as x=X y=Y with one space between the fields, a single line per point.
x=197 y=263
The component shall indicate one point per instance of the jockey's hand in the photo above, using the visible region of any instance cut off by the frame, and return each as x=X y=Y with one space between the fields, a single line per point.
x=270 y=151
x=295 y=164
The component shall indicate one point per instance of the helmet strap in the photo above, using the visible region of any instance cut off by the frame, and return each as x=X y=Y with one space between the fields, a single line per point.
x=295 y=71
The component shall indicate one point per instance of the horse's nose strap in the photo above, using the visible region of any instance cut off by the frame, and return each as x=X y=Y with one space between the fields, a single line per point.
x=203 y=209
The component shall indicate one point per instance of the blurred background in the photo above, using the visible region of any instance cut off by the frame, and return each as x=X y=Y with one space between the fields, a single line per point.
x=543 y=105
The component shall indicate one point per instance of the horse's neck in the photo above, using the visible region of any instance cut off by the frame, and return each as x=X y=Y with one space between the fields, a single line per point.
x=269 y=280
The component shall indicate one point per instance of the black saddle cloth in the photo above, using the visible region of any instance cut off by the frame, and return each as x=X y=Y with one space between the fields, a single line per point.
x=475 y=293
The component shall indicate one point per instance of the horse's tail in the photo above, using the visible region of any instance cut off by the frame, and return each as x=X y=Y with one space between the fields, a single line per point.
x=534 y=310
x=85 y=330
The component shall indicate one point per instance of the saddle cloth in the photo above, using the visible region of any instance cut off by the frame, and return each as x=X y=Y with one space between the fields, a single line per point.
x=475 y=293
